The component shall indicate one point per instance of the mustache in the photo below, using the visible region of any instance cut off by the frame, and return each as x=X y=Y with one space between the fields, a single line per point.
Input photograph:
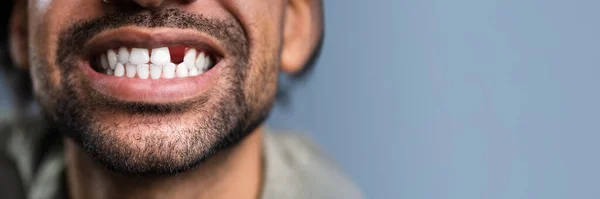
x=228 y=31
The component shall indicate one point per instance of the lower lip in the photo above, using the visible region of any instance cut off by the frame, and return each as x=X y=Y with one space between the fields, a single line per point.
x=149 y=90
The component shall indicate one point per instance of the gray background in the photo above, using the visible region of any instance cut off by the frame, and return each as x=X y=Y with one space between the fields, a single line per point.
x=457 y=99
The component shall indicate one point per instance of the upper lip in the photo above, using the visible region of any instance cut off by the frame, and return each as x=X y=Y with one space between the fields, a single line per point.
x=149 y=38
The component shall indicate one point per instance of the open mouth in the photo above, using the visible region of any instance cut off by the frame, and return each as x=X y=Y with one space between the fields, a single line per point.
x=164 y=62
x=158 y=65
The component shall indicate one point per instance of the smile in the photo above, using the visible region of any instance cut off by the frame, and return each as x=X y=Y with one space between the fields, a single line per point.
x=164 y=62
x=152 y=65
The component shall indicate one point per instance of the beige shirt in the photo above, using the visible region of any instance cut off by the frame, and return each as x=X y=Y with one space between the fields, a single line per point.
x=32 y=166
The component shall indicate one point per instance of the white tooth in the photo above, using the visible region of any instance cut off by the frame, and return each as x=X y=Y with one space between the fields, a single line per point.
x=112 y=58
x=130 y=70
x=193 y=71
x=143 y=71
x=110 y=72
x=169 y=70
x=160 y=56
x=200 y=62
x=123 y=55
x=119 y=70
x=139 y=56
x=155 y=71
x=104 y=61
x=207 y=63
x=190 y=58
x=182 y=70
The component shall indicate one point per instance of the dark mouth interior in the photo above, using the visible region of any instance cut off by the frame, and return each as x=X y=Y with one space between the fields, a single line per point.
x=177 y=53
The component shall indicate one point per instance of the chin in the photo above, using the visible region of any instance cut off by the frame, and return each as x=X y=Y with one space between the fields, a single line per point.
x=148 y=139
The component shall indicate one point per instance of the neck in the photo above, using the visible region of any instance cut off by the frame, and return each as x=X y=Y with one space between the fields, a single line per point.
x=230 y=173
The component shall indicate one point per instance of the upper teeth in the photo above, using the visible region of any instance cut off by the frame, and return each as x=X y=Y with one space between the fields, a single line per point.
x=154 y=64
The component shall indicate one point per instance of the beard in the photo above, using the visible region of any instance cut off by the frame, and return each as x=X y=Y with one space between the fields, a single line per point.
x=134 y=138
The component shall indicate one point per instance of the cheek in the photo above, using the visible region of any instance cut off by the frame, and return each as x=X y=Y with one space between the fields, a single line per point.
x=46 y=20
x=44 y=73
x=42 y=42
x=43 y=26
x=262 y=77
x=264 y=22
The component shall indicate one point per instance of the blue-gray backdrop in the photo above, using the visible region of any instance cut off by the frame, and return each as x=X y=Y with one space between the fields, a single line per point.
x=457 y=99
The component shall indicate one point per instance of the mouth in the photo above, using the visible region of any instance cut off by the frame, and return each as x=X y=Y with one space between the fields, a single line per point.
x=163 y=62
x=152 y=65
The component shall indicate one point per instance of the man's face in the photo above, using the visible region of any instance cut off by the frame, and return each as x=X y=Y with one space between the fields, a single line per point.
x=152 y=87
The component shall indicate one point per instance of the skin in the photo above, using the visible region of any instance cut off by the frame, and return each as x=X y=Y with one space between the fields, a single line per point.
x=204 y=144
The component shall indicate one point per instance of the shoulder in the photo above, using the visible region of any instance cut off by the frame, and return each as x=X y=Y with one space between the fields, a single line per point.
x=23 y=137
x=10 y=178
x=25 y=145
x=301 y=169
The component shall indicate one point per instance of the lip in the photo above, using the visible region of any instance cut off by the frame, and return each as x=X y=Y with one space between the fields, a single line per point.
x=147 y=90
x=138 y=37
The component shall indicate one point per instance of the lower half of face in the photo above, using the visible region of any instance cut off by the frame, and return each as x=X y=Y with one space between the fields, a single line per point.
x=152 y=91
